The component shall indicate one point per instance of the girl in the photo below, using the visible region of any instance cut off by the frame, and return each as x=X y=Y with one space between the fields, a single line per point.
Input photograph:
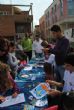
x=48 y=71
x=4 y=44
x=12 y=60
x=7 y=85
x=14 y=63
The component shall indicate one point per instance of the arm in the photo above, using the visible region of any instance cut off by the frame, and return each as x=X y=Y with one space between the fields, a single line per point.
x=16 y=90
x=54 y=92
x=61 y=48
x=2 y=99
x=54 y=83
x=11 y=62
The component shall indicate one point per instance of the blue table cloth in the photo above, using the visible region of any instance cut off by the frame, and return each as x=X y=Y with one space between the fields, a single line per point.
x=36 y=76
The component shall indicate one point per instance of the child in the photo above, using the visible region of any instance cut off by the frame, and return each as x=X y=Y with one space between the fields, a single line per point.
x=68 y=82
x=4 y=43
x=15 y=64
x=48 y=71
x=7 y=85
x=51 y=59
x=12 y=60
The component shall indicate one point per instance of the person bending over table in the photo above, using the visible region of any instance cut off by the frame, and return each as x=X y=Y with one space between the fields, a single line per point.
x=7 y=84
x=60 y=98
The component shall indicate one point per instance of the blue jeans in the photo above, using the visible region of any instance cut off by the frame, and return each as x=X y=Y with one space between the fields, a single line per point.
x=59 y=71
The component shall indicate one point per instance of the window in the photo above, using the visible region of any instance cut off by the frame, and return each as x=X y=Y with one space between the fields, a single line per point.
x=70 y=7
x=55 y=7
x=69 y=0
x=61 y=7
x=48 y=23
x=48 y=14
x=52 y=10
x=3 y=13
x=20 y=27
x=72 y=33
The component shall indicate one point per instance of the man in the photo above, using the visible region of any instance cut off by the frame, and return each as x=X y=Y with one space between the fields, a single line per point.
x=37 y=47
x=60 y=50
x=27 y=45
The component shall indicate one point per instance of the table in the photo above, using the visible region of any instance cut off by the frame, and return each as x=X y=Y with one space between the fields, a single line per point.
x=37 y=76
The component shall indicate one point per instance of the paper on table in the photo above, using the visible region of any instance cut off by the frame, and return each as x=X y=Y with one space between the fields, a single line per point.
x=40 y=91
x=12 y=101
x=28 y=68
x=41 y=103
x=24 y=76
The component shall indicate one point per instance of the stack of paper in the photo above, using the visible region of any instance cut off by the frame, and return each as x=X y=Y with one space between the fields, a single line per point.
x=12 y=101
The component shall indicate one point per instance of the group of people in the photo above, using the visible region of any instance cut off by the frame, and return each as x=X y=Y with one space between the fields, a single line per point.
x=60 y=76
x=13 y=58
x=58 y=66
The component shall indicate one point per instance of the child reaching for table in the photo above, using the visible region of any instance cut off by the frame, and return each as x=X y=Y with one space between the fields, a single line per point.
x=67 y=84
x=7 y=84
x=48 y=69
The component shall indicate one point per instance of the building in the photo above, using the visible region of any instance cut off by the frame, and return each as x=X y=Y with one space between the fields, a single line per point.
x=37 y=30
x=42 y=26
x=60 y=12
x=14 y=21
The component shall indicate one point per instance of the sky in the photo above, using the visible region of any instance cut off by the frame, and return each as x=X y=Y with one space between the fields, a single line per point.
x=39 y=6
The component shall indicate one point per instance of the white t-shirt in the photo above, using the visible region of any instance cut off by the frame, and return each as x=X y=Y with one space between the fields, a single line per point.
x=12 y=60
x=37 y=46
x=69 y=81
x=51 y=59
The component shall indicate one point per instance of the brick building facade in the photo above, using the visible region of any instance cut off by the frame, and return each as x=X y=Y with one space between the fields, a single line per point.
x=14 y=21
x=60 y=12
x=42 y=25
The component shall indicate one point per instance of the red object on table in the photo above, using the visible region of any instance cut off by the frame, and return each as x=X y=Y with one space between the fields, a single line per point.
x=23 y=62
x=55 y=107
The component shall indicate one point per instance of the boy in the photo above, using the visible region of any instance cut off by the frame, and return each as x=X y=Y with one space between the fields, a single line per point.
x=68 y=86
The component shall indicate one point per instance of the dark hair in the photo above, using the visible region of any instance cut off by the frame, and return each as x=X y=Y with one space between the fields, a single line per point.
x=5 y=83
x=44 y=44
x=37 y=36
x=12 y=44
x=48 y=68
x=55 y=28
x=70 y=59
x=3 y=43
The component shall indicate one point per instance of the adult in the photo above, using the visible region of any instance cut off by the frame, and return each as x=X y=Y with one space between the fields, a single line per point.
x=37 y=47
x=27 y=45
x=60 y=50
x=4 y=44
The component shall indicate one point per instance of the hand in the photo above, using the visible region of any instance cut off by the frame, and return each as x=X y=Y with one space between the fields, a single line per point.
x=18 y=61
x=2 y=98
x=45 y=50
x=50 y=81
x=54 y=92
x=14 y=95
